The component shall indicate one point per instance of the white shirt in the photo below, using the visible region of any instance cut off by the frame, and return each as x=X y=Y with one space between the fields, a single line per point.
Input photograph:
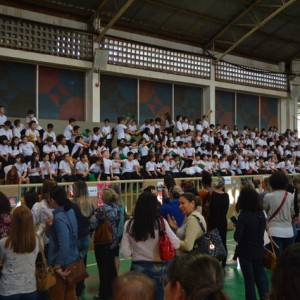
x=146 y=250
x=82 y=166
x=22 y=168
x=107 y=131
x=8 y=133
x=128 y=166
x=121 y=131
x=3 y=119
x=27 y=149
x=107 y=164
x=47 y=149
x=63 y=165
x=63 y=149
x=32 y=134
x=49 y=134
x=68 y=132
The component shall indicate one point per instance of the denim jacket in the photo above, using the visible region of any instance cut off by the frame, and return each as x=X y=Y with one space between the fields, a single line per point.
x=62 y=243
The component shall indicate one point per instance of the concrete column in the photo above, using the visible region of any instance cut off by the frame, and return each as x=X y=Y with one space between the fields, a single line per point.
x=92 y=104
x=209 y=97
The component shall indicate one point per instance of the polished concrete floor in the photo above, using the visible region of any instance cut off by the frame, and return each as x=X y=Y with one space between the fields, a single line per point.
x=234 y=284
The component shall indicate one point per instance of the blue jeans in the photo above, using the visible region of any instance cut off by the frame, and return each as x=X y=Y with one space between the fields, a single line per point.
x=254 y=274
x=156 y=271
x=83 y=247
x=282 y=243
x=28 y=296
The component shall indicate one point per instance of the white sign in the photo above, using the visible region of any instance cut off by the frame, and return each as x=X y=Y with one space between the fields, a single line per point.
x=92 y=191
x=227 y=180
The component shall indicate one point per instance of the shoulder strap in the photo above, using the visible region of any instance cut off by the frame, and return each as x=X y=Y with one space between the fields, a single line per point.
x=200 y=223
x=44 y=260
x=279 y=208
x=71 y=228
x=162 y=228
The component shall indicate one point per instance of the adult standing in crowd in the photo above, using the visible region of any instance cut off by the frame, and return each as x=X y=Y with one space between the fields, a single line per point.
x=42 y=210
x=84 y=211
x=195 y=277
x=62 y=244
x=279 y=207
x=18 y=252
x=190 y=230
x=285 y=277
x=141 y=240
x=5 y=215
x=105 y=253
x=249 y=235
x=219 y=204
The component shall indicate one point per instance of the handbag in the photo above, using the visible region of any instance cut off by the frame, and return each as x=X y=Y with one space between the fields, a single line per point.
x=77 y=268
x=166 y=250
x=270 y=259
x=78 y=272
x=104 y=232
x=45 y=276
x=210 y=243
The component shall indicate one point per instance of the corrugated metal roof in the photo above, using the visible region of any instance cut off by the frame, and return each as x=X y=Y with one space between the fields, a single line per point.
x=196 y=22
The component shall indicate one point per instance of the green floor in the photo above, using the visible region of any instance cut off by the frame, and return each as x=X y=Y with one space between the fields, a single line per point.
x=234 y=285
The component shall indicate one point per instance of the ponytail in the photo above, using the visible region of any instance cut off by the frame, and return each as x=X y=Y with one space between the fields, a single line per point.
x=209 y=292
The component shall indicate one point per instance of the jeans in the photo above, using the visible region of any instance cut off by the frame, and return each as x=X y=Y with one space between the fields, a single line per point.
x=84 y=245
x=282 y=243
x=105 y=258
x=254 y=274
x=28 y=296
x=156 y=271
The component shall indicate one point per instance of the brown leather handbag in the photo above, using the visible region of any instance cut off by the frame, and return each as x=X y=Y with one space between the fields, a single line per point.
x=104 y=232
x=78 y=272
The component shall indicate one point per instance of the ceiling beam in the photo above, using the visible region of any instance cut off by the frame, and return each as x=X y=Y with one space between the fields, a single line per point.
x=98 y=10
x=210 y=43
x=117 y=16
x=187 y=11
x=259 y=25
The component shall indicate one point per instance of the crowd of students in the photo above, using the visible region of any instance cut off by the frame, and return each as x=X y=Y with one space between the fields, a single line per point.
x=177 y=149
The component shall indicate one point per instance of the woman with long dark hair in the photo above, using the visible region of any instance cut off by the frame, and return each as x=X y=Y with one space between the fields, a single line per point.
x=249 y=235
x=62 y=244
x=18 y=252
x=141 y=240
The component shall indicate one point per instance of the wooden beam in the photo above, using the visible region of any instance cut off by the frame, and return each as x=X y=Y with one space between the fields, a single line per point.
x=114 y=20
x=259 y=25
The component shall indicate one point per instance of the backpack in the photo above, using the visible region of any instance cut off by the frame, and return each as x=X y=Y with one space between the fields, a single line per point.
x=206 y=198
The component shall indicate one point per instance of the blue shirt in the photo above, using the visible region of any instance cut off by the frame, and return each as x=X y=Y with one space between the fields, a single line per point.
x=62 y=242
x=172 y=209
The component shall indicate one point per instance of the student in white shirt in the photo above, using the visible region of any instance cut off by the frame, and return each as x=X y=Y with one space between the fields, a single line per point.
x=49 y=146
x=82 y=167
x=27 y=148
x=107 y=167
x=3 y=117
x=49 y=133
x=62 y=147
x=96 y=168
x=22 y=168
x=65 y=168
x=5 y=130
x=45 y=167
x=34 y=169
x=128 y=170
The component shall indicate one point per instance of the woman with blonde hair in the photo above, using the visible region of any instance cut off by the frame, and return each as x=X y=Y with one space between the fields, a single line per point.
x=84 y=211
x=18 y=253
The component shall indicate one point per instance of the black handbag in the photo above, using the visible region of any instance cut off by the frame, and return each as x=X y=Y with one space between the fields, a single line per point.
x=210 y=243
